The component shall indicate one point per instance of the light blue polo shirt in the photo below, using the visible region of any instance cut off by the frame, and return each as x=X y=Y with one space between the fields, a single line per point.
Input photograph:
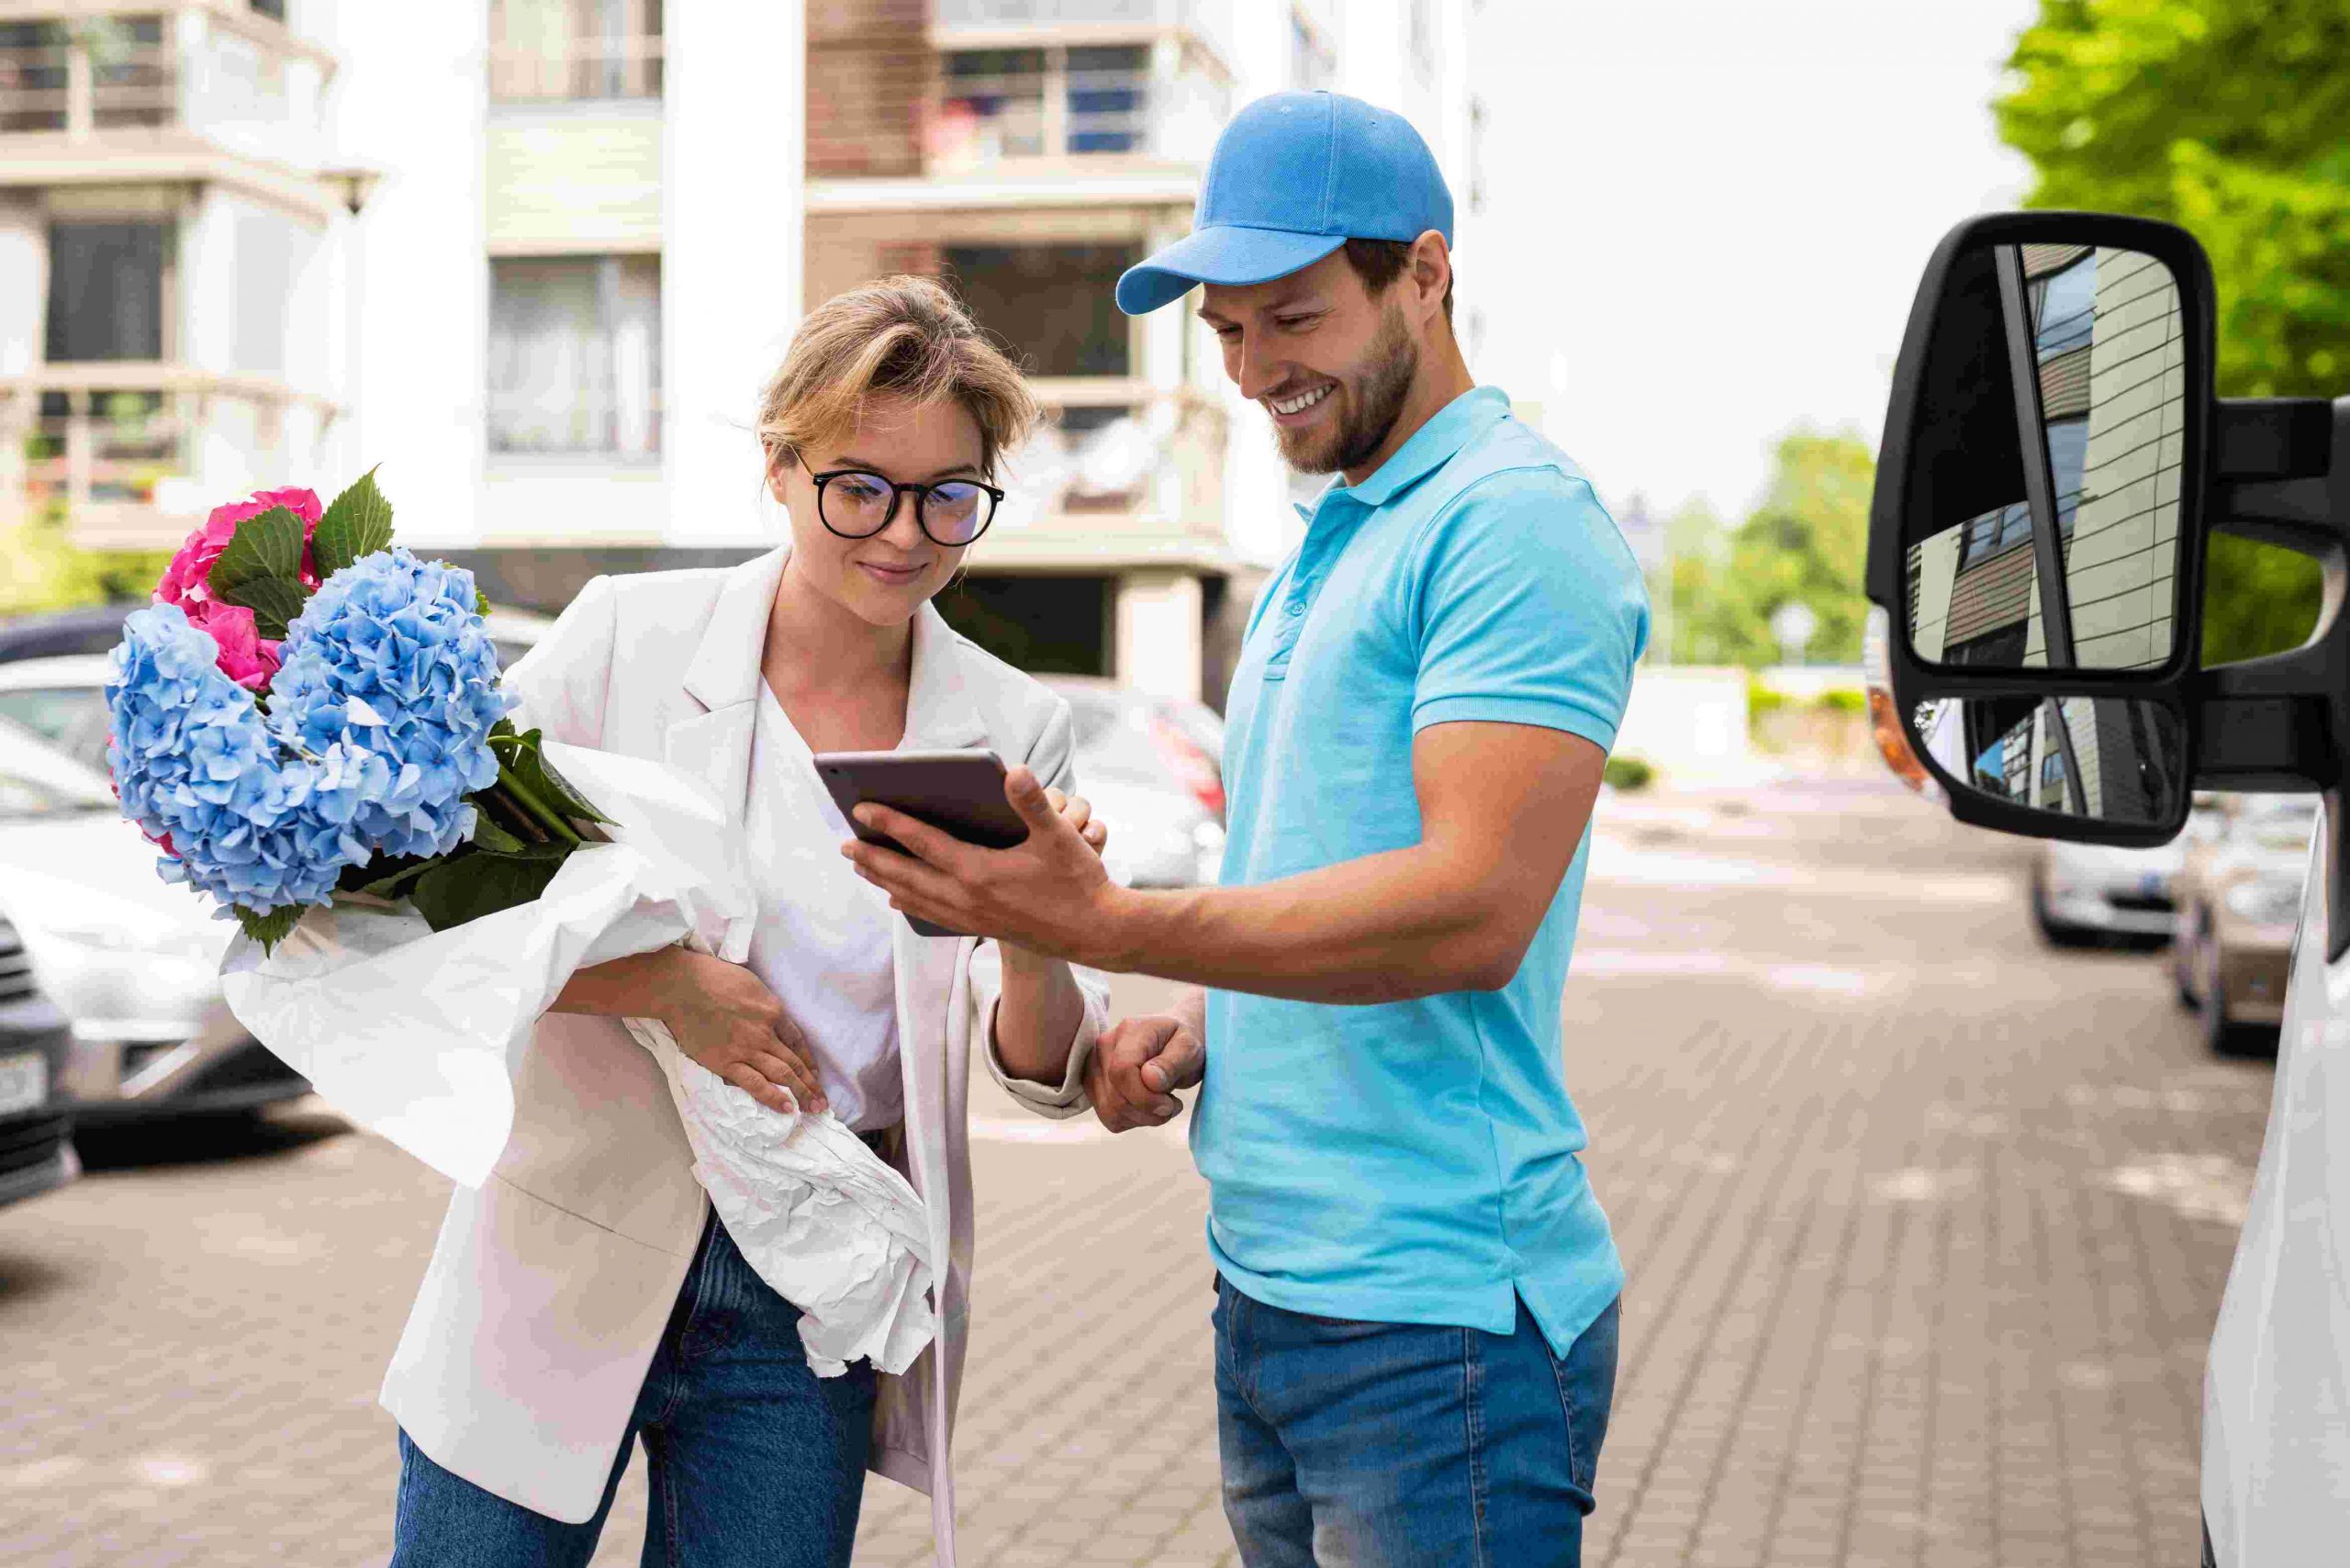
x=1416 y=1161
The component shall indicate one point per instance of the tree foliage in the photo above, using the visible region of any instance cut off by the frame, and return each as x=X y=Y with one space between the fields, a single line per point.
x=1806 y=542
x=42 y=570
x=2227 y=116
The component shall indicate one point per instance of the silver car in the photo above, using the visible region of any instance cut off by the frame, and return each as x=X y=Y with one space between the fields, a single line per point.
x=131 y=960
x=1152 y=768
x=2082 y=894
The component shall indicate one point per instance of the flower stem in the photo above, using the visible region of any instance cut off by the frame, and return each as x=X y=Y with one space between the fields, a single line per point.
x=540 y=811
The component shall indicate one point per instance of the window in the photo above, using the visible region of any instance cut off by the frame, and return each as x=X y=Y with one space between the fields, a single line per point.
x=2067 y=307
x=551 y=51
x=1034 y=103
x=1106 y=93
x=574 y=355
x=1052 y=305
x=994 y=105
x=33 y=75
x=106 y=290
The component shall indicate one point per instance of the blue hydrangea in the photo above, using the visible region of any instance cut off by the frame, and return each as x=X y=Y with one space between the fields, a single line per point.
x=194 y=760
x=389 y=662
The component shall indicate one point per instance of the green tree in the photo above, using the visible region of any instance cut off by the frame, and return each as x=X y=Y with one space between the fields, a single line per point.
x=1806 y=541
x=42 y=570
x=2227 y=116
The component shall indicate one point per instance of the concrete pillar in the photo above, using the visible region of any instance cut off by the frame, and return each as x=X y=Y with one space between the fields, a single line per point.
x=731 y=258
x=1158 y=632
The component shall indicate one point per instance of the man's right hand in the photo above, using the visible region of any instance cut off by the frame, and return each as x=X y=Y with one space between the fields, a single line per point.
x=726 y=1018
x=1137 y=1064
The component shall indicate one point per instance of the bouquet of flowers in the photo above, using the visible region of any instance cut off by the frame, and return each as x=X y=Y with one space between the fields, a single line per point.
x=308 y=709
x=308 y=723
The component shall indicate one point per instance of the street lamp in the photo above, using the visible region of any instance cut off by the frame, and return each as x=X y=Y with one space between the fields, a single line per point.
x=1793 y=624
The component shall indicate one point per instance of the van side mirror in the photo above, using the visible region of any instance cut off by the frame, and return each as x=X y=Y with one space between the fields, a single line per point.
x=2053 y=460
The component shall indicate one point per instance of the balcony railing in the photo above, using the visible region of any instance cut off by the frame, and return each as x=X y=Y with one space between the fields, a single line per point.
x=999 y=105
x=1117 y=448
x=198 y=65
x=131 y=452
x=574 y=71
x=565 y=51
x=109 y=72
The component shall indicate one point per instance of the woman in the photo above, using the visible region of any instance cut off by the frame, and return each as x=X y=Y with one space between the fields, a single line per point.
x=584 y=1298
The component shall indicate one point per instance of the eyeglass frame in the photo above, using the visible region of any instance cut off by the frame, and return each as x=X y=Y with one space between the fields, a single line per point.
x=897 y=493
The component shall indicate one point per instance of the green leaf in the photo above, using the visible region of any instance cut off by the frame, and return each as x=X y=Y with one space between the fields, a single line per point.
x=481 y=602
x=521 y=754
x=271 y=928
x=274 y=601
x=492 y=839
x=388 y=877
x=268 y=545
x=470 y=886
x=358 y=522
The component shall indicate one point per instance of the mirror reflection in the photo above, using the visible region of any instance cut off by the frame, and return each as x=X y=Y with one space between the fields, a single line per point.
x=2046 y=485
x=2113 y=758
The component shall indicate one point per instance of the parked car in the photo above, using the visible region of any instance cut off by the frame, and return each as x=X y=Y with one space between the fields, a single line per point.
x=53 y=672
x=2082 y=894
x=2239 y=900
x=2054 y=462
x=1152 y=768
x=132 y=961
x=35 y=1114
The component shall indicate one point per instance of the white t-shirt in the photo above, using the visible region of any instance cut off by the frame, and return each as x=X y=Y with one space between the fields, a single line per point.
x=823 y=935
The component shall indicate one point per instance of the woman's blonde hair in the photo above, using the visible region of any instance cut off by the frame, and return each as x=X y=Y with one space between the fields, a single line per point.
x=904 y=337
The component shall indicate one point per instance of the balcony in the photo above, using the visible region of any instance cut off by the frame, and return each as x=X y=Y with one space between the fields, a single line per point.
x=555 y=51
x=1122 y=472
x=135 y=453
x=1011 y=22
x=1055 y=108
x=94 y=92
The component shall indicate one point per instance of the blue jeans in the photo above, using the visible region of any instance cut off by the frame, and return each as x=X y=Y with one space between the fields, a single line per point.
x=751 y=1458
x=1400 y=1445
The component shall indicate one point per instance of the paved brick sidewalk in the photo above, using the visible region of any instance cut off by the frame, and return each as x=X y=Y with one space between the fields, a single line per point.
x=1925 y=1228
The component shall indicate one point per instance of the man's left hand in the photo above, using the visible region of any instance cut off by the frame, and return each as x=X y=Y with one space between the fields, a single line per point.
x=1048 y=894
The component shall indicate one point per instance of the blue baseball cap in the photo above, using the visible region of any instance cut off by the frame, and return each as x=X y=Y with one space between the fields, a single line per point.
x=1294 y=177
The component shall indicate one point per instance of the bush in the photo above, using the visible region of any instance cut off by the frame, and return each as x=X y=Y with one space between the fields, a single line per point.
x=1628 y=773
x=1761 y=699
x=1841 y=702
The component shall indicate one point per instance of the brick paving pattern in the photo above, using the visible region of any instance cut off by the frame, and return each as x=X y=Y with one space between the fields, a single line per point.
x=1925 y=1226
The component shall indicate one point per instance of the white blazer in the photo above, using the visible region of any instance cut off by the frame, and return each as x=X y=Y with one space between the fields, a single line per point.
x=551 y=1283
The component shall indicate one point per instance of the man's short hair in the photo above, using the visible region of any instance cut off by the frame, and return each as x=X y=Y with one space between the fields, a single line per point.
x=1380 y=262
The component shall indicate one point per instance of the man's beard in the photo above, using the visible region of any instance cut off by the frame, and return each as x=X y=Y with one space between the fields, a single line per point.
x=1374 y=402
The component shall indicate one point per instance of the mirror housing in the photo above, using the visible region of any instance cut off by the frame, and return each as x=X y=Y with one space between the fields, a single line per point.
x=2261 y=468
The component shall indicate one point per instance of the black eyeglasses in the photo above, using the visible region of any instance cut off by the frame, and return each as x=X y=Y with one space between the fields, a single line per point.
x=855 y=504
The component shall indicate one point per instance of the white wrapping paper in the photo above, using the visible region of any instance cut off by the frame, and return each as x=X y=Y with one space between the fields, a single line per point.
x=417 y=1034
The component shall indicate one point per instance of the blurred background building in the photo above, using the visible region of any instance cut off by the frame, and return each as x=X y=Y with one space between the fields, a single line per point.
x=535 y=258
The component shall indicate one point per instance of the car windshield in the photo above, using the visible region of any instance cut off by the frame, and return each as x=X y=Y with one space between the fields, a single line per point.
x=29 y=800
x=70 y=718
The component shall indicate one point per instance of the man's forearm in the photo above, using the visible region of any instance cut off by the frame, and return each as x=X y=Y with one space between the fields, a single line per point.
x=1383 y=928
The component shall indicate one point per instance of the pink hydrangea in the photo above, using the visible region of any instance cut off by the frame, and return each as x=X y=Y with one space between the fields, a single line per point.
x=246 y=656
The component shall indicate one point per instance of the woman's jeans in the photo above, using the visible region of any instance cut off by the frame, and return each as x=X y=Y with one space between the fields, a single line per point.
x=1403 y=1445
x=750 y=1457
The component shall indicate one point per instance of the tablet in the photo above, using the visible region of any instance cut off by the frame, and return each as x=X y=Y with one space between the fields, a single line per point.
x=959 y=793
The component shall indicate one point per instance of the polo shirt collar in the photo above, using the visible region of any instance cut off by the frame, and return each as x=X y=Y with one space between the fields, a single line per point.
x=1451 y=427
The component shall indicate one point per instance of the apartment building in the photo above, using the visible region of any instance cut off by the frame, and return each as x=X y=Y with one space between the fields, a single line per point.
x=535 y=257
x=168 y=213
